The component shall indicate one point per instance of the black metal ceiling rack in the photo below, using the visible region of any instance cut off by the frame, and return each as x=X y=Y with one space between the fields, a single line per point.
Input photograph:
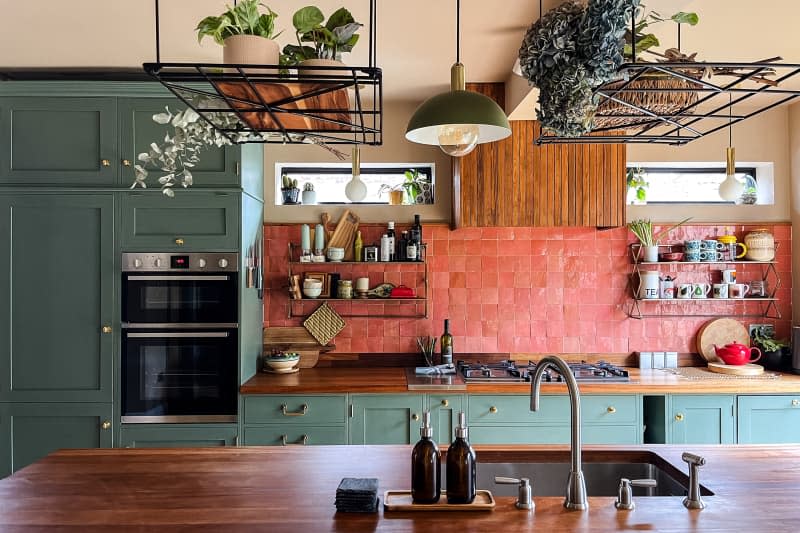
x=323 y=104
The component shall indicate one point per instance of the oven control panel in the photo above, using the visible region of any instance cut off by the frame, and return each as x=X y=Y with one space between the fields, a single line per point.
x=184 y=262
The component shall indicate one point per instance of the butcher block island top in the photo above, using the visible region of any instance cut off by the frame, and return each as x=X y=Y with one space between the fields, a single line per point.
x=393 y=380
x=281 y=489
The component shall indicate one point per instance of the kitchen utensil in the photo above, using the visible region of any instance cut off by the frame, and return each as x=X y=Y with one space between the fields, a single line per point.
x=737 y=354
x=384 y=290
x=760 y=245
x=758 y=288
x=719 y=331
x=296 y=339
x=739 y=370
x=335 y=255
x=400 y=500
x=700 y=290
x=671 y=256
x=312 y=292
x=282 y=362
x=345 y=233
x=648 y=285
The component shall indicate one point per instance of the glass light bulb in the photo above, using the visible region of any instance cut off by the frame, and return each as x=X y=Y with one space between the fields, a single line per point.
x=731 y=189
x=355 y=190
x=458 y=139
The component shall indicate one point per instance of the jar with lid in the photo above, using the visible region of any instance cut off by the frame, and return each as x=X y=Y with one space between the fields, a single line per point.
x=345 y=289
x=760 y=245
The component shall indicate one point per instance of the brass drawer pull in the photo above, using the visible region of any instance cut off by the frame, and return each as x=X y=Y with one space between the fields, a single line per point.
x=611 y=409
x=126 y=162
x=105 y=162
x=106 y=329
x=301 y=442
x=179 y=242
x=106 y=424
x=679 y=417
x=445 y=403
x=415 y=417
x=795 y=402
x=493 y=409
x=302 y=412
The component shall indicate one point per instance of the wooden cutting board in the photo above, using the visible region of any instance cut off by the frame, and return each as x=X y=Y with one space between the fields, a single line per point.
x=345 y=234
x=720 y=331
x=738 y=370
x=295 y=339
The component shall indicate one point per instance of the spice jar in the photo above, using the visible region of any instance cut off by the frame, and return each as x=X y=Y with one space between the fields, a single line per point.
x=760 y=245
x=345 y=289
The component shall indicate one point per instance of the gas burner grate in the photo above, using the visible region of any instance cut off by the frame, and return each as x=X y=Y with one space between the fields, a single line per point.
x=509 y=372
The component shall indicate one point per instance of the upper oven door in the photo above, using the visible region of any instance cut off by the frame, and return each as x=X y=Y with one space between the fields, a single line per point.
x=157 y=299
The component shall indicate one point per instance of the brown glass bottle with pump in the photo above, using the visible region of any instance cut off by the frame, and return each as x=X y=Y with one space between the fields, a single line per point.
x=426 y=473
x=461 y=466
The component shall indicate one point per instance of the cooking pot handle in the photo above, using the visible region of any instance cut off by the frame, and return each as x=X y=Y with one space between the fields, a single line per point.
x=758 y=356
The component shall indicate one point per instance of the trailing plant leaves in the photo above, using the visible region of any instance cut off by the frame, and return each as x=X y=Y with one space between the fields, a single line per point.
x=340 y=17
x=307 y=19
x=343 y=34
x=243 y=19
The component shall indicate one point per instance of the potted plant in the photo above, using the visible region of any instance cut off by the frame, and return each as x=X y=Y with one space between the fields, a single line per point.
x=246 y=35
x=289 y=190
x=318 y=44
x=396 y=193
x=637 y=186
x=643 y=229
x=417 y=187
x=773 y=352
x=309 y=194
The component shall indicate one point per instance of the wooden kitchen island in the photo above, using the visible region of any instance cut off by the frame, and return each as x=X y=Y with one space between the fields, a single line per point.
x=292 y=489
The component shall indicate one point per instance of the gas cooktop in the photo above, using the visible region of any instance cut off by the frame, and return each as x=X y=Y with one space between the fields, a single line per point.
x=510 y=372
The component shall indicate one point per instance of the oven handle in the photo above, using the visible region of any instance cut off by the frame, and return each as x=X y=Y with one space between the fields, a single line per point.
x=178 y=278
x=177 y=335
x=180 y=325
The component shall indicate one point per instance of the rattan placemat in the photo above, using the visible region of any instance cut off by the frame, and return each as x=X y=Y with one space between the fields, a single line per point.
x=699 y=373
x=324 y=323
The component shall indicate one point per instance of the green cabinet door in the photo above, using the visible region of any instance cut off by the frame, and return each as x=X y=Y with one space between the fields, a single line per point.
x=702 y=419
x=444 y=410
x=218 y=167
x=385 y=419
x=56 y=295
x=58 y=141
x=769 y=419
x=29 y=431
x=177 y=435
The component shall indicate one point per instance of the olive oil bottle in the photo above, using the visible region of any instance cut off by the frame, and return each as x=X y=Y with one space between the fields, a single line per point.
x=426 y=473
x=461 y=466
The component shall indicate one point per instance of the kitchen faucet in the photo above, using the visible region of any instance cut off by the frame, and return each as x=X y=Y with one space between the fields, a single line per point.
x=576 y=486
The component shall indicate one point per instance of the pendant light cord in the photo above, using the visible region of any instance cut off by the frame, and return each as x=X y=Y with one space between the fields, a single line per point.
x=730 y=119
x=458 y=31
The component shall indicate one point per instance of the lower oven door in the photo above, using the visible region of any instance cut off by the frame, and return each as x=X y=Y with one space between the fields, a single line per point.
x=179 y=376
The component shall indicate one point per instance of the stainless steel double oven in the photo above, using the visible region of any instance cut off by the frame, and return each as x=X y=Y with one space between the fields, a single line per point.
x=180 y=337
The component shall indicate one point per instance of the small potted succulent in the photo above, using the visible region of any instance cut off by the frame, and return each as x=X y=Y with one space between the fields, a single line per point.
x=246 y=35
x=289 y=190
x=318 y=44
x=774 y=353
x=309 y=194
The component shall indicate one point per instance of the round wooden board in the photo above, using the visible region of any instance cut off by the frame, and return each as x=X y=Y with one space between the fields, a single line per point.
x=739 y=370
x=720 y=331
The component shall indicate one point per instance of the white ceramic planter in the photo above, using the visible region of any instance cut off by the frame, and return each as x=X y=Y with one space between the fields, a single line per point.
x=651 y=254
x=309 y=197
x=251 y=49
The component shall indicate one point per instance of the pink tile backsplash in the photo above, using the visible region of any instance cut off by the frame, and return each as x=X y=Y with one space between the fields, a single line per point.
x=524 y=290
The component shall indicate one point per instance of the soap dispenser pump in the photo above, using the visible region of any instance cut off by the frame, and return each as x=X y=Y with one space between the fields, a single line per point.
x=426 y=473
x=461 y=466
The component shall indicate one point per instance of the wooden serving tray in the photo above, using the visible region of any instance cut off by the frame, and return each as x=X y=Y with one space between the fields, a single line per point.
x=738 y=370
x=400 y=500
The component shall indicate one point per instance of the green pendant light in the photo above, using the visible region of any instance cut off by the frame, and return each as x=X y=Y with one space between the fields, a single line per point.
x=458 y=120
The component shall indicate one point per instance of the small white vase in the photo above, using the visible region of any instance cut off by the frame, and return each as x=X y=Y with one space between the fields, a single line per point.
x=251 y=49
x=650 y=254
x=309 y=197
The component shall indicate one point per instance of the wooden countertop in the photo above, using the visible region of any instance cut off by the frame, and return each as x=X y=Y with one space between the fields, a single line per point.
x=393 y=380
x=279 y=489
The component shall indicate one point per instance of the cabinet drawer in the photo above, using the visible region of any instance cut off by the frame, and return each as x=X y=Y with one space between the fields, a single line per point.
x=516 y=409
x=610 y=409
x=192 y=220
x=329 y=410
x=612 y=435
x=176 y=435
x=539 y=434
x=277 y=435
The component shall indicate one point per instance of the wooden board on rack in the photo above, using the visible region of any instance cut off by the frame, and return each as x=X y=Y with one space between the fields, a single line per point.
x=345 y=234
x=719 y=332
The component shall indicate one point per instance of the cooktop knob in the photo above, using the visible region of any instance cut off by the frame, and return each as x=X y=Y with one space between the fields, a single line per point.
x=201 y=263
x=137 y=263
x=223 y=263
x=157 y=263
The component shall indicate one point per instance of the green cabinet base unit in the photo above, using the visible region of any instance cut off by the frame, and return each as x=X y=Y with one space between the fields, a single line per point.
x=385 y=419
x=304 y=409
x=177 y=435
x=769 y=419
x=707 y=419
x=288 y=435
x=444 y=410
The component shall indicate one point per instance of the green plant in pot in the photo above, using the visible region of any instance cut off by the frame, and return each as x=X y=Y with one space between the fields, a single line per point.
x=773 y=352
x=289 y=190
x=649 y=238
x=321 y=44
x=637 y=186
x=246 y=34
x=417 y=187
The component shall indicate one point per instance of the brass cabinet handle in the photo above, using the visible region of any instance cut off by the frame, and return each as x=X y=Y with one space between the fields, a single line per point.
x=415 y=417
x=107 y=329
x=795 y=403
x=611 y=409
x=105 y=162
x=301 y=442
x=106 y=424
x=445 y=403
x=493 y=409
x=179 y=242
x=302 y=412
x=679 y=417
x=126 y=162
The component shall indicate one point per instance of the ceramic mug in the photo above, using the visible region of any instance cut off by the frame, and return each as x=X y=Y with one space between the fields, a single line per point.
x=712 y=244
x=648 y=285
x=685 y=291
x=710 y=256
x=692 y=256
x=700 y=290
x=720 y=290
x=692 y=245
x=728 y=275
x=738 y=290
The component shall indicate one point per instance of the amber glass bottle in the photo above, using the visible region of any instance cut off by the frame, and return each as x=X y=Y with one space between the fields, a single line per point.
x=461 y=466
x=426 y=473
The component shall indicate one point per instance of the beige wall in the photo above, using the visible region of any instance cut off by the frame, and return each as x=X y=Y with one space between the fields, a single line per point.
x=794 y=152
x=395 y=149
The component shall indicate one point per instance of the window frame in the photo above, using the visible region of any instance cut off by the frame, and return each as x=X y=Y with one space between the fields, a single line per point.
x=751 y=171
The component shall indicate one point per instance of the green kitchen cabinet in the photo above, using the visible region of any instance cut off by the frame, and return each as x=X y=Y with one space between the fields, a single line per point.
x=385 y=419
x=58 y=141
x=293 y=434
x=768 y=419
x=29 y=431
x=217 y=167
x=57 y=294
x=177 y=435
x=306 y=409
x=193 y=220
x=696 y=419
x=444 y=410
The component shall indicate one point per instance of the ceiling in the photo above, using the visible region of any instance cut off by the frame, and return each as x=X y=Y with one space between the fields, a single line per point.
x=416 y=38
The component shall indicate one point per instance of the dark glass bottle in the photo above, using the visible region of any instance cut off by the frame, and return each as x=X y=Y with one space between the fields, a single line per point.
x=415 y=236
x=392 y=243
x=461 y=466
x=402 y=243
x=426 y=473
x=446 y=344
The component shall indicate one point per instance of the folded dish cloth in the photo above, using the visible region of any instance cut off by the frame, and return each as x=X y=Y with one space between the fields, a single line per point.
x=357 y=495
x=436 y=370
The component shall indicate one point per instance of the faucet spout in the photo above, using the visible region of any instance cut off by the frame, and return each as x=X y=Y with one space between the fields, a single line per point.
x=576 y=485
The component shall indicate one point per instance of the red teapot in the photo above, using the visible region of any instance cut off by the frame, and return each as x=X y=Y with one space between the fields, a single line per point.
x=737 y=354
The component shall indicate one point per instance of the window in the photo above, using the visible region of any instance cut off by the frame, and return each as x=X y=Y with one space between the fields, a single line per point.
x=329 y=181
x=689 y=185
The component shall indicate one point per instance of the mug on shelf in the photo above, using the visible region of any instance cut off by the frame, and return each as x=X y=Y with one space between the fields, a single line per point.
x=712 y=244
x=692 y=256
x=710 y=256
x=685 y=291
x=738 y=290
x=700 y=290
x=720 y=290
x=728 y=275
x=692 y=245
x=758 y=288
